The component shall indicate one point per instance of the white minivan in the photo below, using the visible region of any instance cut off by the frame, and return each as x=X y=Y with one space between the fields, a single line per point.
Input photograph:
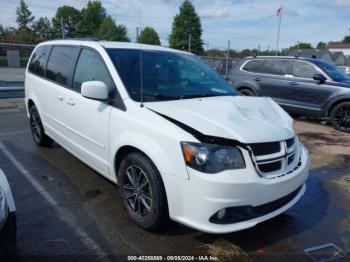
x=171 y=132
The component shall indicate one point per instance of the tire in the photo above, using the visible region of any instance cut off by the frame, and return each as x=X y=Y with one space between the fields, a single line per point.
x=142 y=191
x=246 y=92
x=37 y=129
x=340 y=117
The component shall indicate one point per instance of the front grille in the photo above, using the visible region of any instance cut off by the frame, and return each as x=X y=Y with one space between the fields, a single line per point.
x=275 y=159
x=270 y=167
x=260 y=149
x=244 y=213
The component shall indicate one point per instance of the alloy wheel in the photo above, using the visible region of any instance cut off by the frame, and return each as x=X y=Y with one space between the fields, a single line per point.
x=137 y=191
x=342 y=117
x=35 y=125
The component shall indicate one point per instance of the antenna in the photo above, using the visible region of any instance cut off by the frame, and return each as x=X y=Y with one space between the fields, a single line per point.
x=141 y=74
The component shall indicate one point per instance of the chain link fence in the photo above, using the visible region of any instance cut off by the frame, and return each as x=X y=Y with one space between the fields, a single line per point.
x=14 y=54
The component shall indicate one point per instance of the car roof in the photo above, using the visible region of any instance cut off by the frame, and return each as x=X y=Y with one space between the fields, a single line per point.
x=109 y=44
x=283 y=57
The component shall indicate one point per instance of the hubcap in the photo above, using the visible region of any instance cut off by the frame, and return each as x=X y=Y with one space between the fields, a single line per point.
x=137 y=191
x=342 y=117
x=35 y=126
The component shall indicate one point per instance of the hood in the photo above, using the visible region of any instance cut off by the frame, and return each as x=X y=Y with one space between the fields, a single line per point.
x=246 y=119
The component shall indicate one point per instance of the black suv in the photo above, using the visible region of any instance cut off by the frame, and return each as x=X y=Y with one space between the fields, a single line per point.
x=308 y=87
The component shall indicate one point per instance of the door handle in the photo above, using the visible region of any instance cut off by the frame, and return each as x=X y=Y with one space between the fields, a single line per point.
x=293 y=83
x=70 y=101
x=59 y=97
x=257 y=79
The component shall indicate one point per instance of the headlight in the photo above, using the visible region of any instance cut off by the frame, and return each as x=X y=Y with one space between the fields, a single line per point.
x=3 y=208
x=210 y=158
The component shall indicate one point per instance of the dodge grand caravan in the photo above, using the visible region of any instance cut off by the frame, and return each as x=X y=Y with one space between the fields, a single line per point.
x=169 y=130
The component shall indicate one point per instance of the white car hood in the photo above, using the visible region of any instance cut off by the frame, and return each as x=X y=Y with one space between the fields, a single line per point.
x=246 y=119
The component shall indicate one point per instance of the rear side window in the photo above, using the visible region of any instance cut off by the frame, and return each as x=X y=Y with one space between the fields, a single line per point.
x=90 y=67
x=38 y=61
x=60 y=62
x=303 y=69
x=275 y=67
x=254 y=66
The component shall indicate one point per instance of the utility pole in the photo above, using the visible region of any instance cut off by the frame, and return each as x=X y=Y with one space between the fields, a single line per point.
x=189 y=43
x=137 y=35
x=279 y=14
x=258 y=49
x=268 y=49
x=62 y=32
x=207 y=45
x=227 y=58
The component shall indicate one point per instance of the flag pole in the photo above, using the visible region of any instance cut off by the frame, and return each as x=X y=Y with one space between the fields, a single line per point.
x=279 y=29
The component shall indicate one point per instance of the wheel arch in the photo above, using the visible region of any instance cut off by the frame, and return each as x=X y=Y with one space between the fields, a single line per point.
x=334 y=103
x=249 y=87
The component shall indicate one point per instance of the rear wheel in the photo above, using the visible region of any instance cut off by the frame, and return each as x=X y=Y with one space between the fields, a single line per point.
x=246 y=92
x=142 y=190
x=37 y=129
x=340 y=117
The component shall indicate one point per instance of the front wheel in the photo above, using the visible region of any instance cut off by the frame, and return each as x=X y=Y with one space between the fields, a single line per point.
x=37 y=129
x=246 y=92
x=142 y=190
x=340 y=117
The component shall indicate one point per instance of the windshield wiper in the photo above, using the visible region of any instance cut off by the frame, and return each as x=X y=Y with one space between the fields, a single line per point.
x=205 y=95
x=157 y=95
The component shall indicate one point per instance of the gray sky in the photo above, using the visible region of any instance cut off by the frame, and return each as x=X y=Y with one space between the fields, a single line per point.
x=246 y=23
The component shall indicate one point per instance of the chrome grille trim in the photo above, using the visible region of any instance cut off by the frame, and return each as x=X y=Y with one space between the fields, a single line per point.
x=280 y=159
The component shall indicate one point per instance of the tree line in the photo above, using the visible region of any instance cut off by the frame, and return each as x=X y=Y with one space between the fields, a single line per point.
x=93 y=21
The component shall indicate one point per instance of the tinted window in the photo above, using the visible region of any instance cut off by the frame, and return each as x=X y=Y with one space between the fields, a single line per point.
x=60 y=64
x=275 y=67
x=167 y=75
x=37 y=63
x=254 y=66
x=334 y=72
x=90 y=67
x=304 y=70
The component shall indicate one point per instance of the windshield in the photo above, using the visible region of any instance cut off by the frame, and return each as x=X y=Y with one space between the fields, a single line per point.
x=335 y=73
x=167 y=75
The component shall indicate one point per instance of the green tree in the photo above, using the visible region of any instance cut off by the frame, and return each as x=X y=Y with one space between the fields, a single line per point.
x=42 y=28
x=346 y=39
x=92 y=17
x=2 y=32
x=149 y=36
x=301 y=46
x=112 y=32
x=70 y=20
x=24 y=16
x=321 y=45
x=187 y=28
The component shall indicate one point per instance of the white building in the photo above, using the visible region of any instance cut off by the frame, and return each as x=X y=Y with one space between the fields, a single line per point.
x=345 y=48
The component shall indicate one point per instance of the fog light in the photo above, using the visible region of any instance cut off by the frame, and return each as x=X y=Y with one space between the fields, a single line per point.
x=221 y=214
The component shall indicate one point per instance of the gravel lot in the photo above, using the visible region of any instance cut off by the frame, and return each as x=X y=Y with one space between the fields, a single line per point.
x=66 y=211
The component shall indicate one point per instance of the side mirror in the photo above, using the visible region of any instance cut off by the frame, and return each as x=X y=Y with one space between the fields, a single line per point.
x=94 y=90
x=319 y=77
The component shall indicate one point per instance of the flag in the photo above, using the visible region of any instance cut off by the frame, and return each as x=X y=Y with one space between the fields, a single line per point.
x=279 y=11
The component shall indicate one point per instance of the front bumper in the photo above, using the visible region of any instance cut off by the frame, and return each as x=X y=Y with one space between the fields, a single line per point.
x=196 y=200
x=8 y=236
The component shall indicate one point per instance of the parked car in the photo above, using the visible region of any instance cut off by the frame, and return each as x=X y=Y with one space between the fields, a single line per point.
x=305 y=86
x=7 y=218
x=169 y=130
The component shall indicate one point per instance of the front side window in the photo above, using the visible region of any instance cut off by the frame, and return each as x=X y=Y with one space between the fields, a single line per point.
x=37 y=63
x=334 y=72
x=167 y=75
x=60 y=63
x=304 y=70
x=90 y=67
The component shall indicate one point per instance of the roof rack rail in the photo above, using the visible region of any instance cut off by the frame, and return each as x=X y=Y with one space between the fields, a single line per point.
x=80 y=38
